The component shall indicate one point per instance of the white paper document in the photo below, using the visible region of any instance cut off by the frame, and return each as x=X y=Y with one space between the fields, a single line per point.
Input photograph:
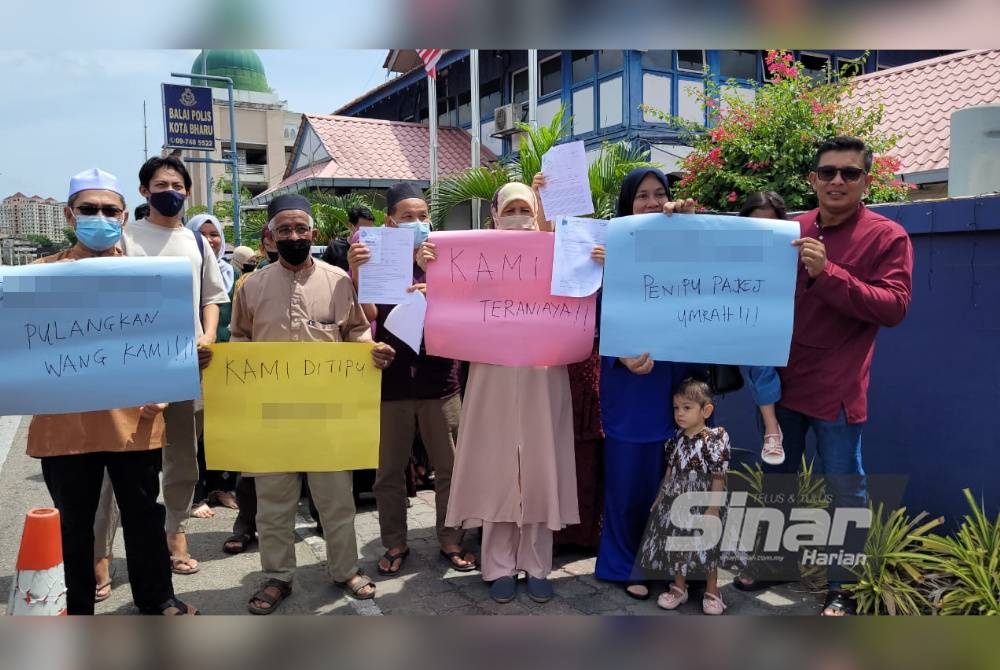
x=567 y=188
x=574 y=273
x=383 y=280
x=406 y=320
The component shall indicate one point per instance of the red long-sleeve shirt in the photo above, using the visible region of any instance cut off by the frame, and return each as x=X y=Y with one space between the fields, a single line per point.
x=866 y=284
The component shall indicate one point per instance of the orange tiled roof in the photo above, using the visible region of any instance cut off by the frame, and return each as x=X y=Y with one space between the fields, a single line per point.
x=920 y=97
x=382 y=150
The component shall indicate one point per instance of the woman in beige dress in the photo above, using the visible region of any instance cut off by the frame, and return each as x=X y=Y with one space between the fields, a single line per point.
x=514 y=471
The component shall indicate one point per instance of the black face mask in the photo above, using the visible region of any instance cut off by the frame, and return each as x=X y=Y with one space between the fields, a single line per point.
x=295 y=252
x=272 y=256
x=167 y=203
x=249 y=267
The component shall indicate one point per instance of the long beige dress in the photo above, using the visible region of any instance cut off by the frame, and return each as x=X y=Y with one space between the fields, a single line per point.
x=515 y=460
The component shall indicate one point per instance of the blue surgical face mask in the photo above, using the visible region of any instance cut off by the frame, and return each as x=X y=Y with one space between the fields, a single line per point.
x=421 y=230
x=98 y=233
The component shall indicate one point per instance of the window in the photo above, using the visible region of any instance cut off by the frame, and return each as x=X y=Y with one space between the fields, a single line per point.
x=490 y=97
x=583 y=110
x=738 y=64
x=849 y=67
x=691 y=61
x=465 y=109
x=656 y=93
x=814 y=66
x=519 y=86
x=550 y=76
x=447 y=114
x=610 y=60
x=611 y=102
x=583 y=66
x=547 y=111
x=658 y=58
x=689 y=100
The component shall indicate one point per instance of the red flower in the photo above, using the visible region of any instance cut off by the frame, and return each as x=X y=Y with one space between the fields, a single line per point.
x=732 y=196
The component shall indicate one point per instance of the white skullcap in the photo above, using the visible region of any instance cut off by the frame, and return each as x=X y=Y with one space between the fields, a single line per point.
x=96 y=179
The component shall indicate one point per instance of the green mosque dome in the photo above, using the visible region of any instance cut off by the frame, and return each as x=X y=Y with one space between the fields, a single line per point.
x=243 y=66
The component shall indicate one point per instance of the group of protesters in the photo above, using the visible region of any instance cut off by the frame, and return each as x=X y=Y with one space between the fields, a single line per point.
x=590 y=454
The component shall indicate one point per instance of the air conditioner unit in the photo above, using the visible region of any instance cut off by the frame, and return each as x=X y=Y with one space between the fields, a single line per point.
x=506 y=117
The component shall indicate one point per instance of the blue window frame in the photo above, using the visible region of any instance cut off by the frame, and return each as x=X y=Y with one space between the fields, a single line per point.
x=597 y=90
x=669 y=81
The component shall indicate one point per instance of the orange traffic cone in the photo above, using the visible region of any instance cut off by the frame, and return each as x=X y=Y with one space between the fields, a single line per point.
x=39 y=587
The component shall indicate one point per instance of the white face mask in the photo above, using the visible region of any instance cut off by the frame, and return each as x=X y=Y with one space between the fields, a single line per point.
x=516 y=222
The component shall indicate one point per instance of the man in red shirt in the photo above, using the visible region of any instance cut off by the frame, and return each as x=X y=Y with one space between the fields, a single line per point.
x=855 y=277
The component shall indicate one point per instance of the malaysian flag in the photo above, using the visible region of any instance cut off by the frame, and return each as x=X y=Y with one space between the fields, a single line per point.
x=430 y=58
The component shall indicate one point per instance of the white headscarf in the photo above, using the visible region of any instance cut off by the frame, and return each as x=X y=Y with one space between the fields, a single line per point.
x=194 y=225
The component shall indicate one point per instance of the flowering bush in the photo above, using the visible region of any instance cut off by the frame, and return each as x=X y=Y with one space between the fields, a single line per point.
x=769 y=143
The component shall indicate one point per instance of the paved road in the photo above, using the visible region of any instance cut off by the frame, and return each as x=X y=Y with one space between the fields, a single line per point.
x=426 y=586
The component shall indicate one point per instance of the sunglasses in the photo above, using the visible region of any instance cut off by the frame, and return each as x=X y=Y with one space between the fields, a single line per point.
x=106 y=210
x=828 y=172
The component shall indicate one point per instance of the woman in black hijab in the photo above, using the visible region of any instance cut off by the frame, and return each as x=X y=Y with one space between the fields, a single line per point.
x=636 y=412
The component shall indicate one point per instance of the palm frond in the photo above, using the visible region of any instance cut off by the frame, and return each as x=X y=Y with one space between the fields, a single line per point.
x=462 y=187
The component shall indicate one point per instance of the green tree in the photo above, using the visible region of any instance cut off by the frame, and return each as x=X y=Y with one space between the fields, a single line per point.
x=252 y=221
x=605 y=174
x=330 y=212
x=40 y=241
x=70 y=235
x=769 y=143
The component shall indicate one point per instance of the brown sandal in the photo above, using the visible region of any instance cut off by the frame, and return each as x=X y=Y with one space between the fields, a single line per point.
x=358 y=584
x=284 y=590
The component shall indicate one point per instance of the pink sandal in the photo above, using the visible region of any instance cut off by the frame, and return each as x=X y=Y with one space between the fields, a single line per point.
x=712 y=604
x=773 y=453
x=674 y=598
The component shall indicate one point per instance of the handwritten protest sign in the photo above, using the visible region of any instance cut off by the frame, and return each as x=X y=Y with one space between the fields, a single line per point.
x=489 y=301
x=292 y=407
x=699 y=288
x=97 y=333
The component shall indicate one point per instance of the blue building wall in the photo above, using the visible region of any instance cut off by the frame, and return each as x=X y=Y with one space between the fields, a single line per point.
x=405 y=98
x=934 y=401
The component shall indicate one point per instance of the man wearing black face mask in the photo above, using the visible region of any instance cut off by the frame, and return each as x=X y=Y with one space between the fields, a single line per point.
x=165 y=183
x=300 y=300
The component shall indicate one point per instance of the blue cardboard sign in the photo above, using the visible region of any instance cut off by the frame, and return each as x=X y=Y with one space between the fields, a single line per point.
x=188 y=118
x=699 y=288
x=94 y=334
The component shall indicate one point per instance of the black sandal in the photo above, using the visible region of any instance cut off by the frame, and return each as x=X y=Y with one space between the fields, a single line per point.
x=392 y=558
x=450 y=556
x=839 y=601
x=181 y=607
x=638 y=596
x=244 y=540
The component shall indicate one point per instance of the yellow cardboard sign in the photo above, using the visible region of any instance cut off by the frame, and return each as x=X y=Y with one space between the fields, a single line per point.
x=291 y=407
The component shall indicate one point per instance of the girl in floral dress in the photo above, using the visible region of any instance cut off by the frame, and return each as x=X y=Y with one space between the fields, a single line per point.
x=697 y=459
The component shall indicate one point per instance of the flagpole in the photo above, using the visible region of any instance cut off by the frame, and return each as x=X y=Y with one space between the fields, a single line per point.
x=477 y=127
x=433 y=118
x=533 y=88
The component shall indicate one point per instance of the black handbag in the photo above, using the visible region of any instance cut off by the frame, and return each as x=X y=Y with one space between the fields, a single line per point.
x=724 y=378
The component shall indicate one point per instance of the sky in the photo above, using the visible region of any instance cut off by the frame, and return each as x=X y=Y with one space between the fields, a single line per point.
x=63 y=112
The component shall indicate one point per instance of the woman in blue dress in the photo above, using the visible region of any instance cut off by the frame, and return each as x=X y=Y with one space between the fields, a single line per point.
x=636 y=409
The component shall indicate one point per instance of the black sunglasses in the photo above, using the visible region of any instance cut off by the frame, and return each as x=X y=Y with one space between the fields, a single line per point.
x=828 y=172
x=106 y=210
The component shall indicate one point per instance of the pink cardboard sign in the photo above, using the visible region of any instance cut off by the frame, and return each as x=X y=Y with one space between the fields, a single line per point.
x=489 y=301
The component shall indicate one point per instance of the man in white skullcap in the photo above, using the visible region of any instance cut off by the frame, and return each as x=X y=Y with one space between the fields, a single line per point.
x=76 y=449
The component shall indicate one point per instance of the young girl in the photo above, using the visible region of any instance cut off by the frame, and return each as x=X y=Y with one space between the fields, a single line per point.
x=765 y=386
x=697 y=458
